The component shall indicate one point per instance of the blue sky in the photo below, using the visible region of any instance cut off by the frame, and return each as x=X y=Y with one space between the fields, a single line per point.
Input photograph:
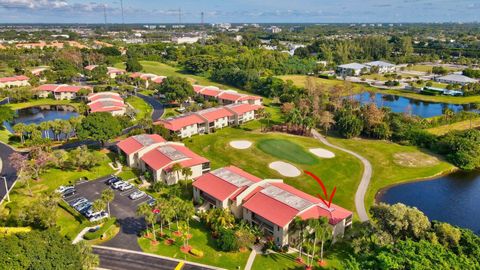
x=293 y=11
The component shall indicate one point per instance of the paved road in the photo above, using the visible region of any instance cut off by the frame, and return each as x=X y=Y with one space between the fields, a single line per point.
x=119 y=259
x=158 y=107
x=6 y=169
x=363 y=186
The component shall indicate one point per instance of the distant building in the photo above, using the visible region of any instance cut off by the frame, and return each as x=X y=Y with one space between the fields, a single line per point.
x=455 y=79
x=59 y=91
x=383 y=67
x=274 y=29
x=111 y=71
x=226 y=96
x=107 y=102
x=14 y=81
x=352 y=69
x=185 y=40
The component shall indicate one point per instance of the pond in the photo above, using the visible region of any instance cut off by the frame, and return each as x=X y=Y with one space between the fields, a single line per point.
x=452 y=198
x=39 y=114
x=400 y=104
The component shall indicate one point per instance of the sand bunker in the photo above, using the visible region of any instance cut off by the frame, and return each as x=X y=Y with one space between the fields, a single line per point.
x=241 y=144
x=323 y=153
x=285 y=169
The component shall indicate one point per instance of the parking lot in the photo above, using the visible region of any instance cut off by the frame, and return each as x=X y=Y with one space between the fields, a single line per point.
x=122 y=207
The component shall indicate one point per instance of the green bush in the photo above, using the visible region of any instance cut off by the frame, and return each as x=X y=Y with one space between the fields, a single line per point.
x=227 y=241
x=102 y=230
x=196 y=252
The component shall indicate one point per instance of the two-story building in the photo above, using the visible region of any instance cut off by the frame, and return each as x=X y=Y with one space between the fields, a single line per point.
x=60 y=91
x=226 y=97
x=269 y=204
x=107 y=102
x=14 y=81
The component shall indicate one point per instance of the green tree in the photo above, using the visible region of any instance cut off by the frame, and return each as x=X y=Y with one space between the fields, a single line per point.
x=99 y=127
x=6 y=114
x=98 y=205
x=108 y=196
x=227 y=240
x=176 y=89
x=348 y=124
x=132 y=65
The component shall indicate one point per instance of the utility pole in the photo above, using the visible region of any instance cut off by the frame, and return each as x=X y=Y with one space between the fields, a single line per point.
x=6 y=188
x=105 y=14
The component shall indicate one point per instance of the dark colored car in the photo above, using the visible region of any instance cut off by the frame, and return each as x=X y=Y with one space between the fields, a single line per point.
x=69 y=192
x=112 y=180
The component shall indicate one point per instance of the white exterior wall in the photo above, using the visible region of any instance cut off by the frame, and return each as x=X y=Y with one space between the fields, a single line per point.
x=118 y=112
x=221 y=123
x=14 y=84
x=42 y=94
x=188 y=131
x=248 y=116
x=65 y=95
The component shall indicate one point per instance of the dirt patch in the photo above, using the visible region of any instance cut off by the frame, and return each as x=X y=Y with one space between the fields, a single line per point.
x=414 y=159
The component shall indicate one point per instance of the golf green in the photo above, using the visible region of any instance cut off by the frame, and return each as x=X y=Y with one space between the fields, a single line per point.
x=286 y=150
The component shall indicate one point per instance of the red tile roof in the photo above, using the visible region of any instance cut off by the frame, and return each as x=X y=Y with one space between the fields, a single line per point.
x=157 y=159
x=197 y=88
x=90 y=67
x=280 y=213
x=211 y=92
x=104 y=95
x=242 y=108
x=106 y=106
x=213 y=114
x=14 y=79
x=220 y=187
x=231 y=96
x=57 y=88
x=136 y=75
x=159 y=79
x=135 y=143
x=179 y=122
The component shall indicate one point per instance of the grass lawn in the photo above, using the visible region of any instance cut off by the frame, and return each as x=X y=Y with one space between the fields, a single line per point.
x=142 y=108
x=201 y=240
x=39 y=102
x=386 y=166
x=434 y=84
x=285 y=149
x=284 y=261
x=378 y=77
x=445 y=99
x=343 y=171
x=169 y=112
x=428 y=68
x=467 y=124
x=300 y=80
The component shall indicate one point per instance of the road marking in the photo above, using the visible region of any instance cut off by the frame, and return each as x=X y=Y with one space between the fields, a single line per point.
x=180 y=265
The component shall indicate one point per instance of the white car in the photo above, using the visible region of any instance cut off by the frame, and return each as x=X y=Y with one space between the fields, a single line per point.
x=118 y=184
x=137 y=195
x=126 y=187
x=98 y=217
x=90 y=213
x=62 y=189
x=78 y=201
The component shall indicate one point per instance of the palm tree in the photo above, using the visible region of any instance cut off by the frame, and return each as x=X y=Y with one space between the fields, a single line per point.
x=187 y=172
x=324 y=231
x=45 y=127
x=66 y=128
x=313 y=225
x=145 y=211
x=298 y=226
x=107 y=196
x=19 y=129
x=176 y=168
x=98 y=205
x=56 y=128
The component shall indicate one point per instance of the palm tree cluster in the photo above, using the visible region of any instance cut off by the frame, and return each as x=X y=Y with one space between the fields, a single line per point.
x=58 y=127
x=308 y=234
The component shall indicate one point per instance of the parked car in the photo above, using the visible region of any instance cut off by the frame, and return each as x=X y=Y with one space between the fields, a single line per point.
x=98 y=217
x=83 y=206
x=151 y=202
x=127 y=186
x=118 y=184
x=90 y=213
x=69 y=192
x=137 y=195
x=78 y=201
x=85 y=209
x=62 y=189
x=112 y=180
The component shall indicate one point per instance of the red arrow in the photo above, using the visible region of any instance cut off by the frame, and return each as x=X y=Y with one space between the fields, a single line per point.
x=319 y=181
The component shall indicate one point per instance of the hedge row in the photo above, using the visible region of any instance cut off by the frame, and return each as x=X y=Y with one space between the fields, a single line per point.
x=102 y=230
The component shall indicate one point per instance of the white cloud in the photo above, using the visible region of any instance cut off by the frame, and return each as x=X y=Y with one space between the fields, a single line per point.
x=33 y=4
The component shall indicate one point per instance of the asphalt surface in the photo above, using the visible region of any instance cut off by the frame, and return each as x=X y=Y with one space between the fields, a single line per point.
x=124 y=260
x=158 y=107
x=122 y=207
x=7 y=170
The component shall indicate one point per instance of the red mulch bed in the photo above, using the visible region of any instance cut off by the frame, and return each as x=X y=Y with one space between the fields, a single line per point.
x=177 y=233
x=189 y=236
x=322 y=263
x=299 y=260
x=186 y=249
x=154 y=243
x=169 y=242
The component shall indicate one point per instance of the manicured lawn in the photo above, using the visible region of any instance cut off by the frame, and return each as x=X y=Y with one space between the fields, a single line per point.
x=434 y=84
x=300 y=80
x=428 y=68
x=201 y=240
x=385 y=170
x=142 y=108
x=39 y=102
x=467 y=124
x=284 y=261
x=286 y=150
x=170 y=112
x=379 y=77
x=343 y=171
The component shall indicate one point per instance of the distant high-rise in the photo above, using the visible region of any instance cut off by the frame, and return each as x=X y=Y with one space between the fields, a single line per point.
x=203 y=17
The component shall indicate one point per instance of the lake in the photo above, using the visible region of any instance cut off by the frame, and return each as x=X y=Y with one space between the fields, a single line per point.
x=453 y=198
x=400 y=104
x=39 y=114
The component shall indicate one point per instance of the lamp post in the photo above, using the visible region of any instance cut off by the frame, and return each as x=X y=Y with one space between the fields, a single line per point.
x=6 y=188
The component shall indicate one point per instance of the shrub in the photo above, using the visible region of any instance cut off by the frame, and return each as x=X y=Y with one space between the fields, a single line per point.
x=227 y=241
x=196 y=252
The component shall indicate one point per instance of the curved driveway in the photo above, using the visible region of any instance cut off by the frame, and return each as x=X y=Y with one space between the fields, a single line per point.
x=158 y=107
x=363 y=186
